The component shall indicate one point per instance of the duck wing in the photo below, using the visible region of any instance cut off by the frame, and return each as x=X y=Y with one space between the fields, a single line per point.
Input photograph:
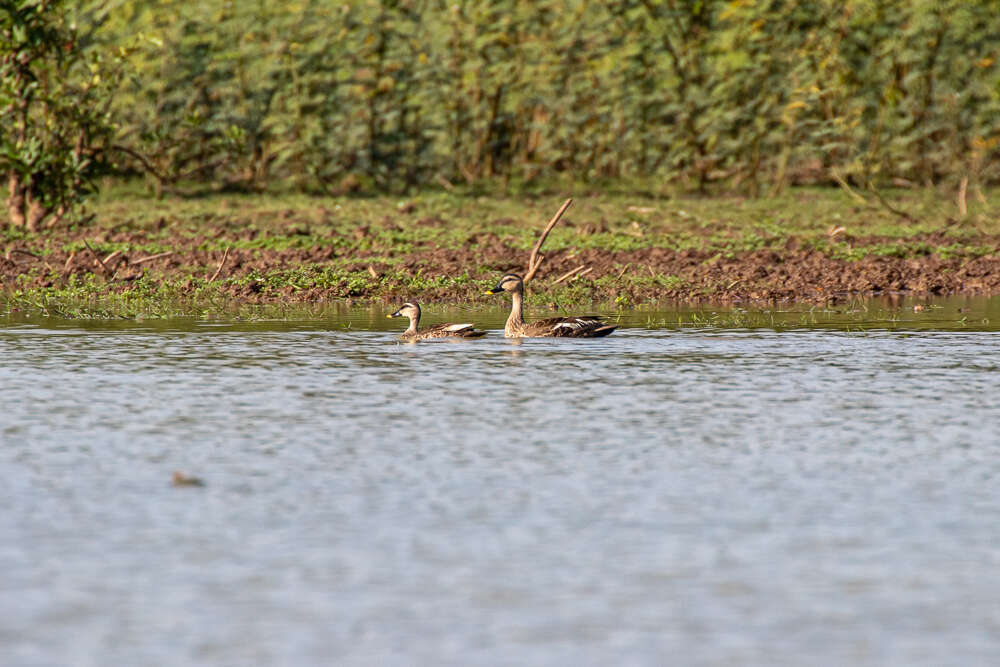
x=584 y=326
x=449 y=330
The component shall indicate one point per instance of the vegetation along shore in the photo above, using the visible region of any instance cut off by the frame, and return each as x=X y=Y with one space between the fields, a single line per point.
x=180 y=256
x=173 y=157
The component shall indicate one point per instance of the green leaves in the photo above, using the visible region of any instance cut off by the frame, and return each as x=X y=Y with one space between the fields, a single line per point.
x=336 y=96
x=55 y=130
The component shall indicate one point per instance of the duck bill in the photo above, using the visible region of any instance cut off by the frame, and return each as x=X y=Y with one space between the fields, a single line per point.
x=392 y=315
x=495 y=290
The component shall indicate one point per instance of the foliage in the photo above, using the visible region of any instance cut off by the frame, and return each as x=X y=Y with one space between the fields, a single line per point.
x=392 y=94
x=55 y=119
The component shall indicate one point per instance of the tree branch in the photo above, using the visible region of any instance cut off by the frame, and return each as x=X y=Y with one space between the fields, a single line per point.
x=535 y=260
x=146 y=164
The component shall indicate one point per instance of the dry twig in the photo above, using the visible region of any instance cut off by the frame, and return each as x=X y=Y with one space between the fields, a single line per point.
x=152 y=257
x=97 y=258
x=444 y=183
x=22 y=251
x=962 y=187
x=847 y=188
x=889 y=207
x=69 y=261
x=215 y=275
x=980 y=197
x=569 y=274
x=535 y=260
x=116 y=255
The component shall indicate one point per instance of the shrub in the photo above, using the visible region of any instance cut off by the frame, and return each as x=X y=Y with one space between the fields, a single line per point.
x=55 y=121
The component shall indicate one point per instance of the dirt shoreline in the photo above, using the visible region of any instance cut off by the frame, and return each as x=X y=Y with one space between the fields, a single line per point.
x=791 y=273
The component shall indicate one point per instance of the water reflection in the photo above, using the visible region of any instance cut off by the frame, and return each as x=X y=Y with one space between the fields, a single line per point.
x=893 y=312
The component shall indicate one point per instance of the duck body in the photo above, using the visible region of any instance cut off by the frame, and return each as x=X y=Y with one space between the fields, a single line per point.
x=584 y=326
x=447 y=330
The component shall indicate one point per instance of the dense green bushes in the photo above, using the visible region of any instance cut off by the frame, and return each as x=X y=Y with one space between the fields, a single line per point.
x=55 y=119
x=754 y=94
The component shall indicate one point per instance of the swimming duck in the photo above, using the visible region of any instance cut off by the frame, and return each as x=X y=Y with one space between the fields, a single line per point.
x=448 y=330
x=586 y=326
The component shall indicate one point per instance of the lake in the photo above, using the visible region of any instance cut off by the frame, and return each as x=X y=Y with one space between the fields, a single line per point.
x=704 y=487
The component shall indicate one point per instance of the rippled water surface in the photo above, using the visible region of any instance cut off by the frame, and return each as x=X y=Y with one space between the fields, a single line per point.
x=810 y=488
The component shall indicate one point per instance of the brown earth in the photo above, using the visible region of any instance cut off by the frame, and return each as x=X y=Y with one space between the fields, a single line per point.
x=791 y=273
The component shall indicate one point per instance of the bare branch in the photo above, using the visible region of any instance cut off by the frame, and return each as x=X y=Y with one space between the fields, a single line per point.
x=152 y=257
x=569 y=274
x=962 y=187
x=117 y=257
x=69 y=262
x=146 y=164
x=97 y=258
x=22 y=251
x=215 y=275
x=846 y=187
x=536 y=260
x=889 y=207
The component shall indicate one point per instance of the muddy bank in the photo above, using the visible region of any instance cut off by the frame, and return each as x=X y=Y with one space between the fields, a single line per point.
x=344 y=270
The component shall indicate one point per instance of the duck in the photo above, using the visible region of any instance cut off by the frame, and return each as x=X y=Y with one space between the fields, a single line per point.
x=585 y=326
x=447 y=330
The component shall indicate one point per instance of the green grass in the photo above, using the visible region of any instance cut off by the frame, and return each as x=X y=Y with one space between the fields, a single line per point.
x=392 y=232
x=609 y=222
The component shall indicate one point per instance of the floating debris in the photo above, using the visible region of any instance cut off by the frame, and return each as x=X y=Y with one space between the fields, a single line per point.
x=180 y=479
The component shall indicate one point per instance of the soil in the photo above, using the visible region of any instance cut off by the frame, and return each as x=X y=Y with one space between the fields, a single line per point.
x=791 y=273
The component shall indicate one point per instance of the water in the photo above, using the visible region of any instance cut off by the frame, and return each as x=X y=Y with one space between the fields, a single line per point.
x=824 y=494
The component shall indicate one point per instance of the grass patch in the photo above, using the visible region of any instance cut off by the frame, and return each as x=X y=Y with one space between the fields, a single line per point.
x=438 y=246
